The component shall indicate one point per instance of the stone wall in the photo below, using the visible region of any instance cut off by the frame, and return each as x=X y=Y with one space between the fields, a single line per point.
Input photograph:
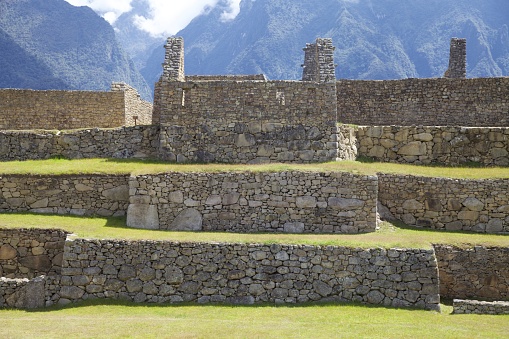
x=480 y=307
x=294 y=202
x=22 y=293
x=450 y=204
x=52 y=109
x=431 y=144
x=79 y=195
x=481 y=102
x=249 y=143
x=247 y=122
x=27 y=253
x=319 y=61
x=122 y=142
x=457 y=59
x=137 y=111
x=473 y=273
x=156 y=272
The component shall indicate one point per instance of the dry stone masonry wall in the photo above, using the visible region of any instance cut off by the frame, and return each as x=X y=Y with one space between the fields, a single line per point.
x=50 y=110
x=156 y=272
x=429 y=144
x=449 y=204
x=457 y=59
x=248 y=122
x=473 y=273
x=27 y=253
x=294 y=202
x=77 y=195
x=481 y=102
x=319 y=62
x=121 y=142
x=480 y=307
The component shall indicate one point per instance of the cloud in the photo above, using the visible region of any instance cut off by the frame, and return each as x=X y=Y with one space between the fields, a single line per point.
x=165 y=17
x=110 y=10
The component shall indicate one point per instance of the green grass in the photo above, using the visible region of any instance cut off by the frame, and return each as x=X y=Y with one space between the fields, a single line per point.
x=389 y=235
x=107 y=319
x=121 y=166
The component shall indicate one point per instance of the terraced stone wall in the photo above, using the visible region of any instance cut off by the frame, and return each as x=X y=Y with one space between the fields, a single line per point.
x=27 y=253
x=294 y=202
x=157 y=272
x=473 y=273
x=122 y=142
x=247 y=121
x=480 y=102
x=78 y=195
x=450 y=204
x=488 y=146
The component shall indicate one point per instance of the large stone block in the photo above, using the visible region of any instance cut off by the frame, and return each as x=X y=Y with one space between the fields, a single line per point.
x=187 y=220
x=143 y=216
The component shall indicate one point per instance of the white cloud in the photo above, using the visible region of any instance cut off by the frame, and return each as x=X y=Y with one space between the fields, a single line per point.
x=110 y=10
x=166 y=17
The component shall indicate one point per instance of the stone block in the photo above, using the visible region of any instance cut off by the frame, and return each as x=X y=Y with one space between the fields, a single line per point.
x=187 y=220
x=143 y=216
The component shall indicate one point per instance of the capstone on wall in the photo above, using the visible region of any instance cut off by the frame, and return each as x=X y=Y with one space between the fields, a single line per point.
x=473 y=273
x=450 y=204
x=27 y=253
x=480 y=102
x=157 y=272
x=121 y=142
x=78 y=195
x=52 y=109
x=432 y=144
x=480 y=307
x=294 y=202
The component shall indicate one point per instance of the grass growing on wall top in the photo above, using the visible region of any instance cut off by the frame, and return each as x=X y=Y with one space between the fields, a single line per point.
x=389 y=235
x=117 y=319
x=122 y=166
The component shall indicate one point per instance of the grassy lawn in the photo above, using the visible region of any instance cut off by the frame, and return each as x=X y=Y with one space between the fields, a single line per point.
x=120 y=166
x=123 y=320
x=389 y=235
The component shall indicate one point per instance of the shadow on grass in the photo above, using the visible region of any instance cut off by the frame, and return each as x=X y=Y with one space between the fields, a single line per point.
x=128 y=303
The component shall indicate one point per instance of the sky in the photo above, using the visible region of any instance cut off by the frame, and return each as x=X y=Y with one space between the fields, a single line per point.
x=166 y=17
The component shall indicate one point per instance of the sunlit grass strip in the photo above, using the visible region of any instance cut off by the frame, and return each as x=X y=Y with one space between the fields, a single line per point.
x=115 y=319
x=123 y=166
x=388 y=236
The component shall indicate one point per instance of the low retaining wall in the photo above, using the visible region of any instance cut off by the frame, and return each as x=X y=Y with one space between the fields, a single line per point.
x=148 y=271
x=473 y=273
x=22 y=293
x=79 y=195
x=249 y=143
x=480 y=307
x=431 y=144
x=122 y=142
x=27 y=253
x=451 y=204
x=294 y=202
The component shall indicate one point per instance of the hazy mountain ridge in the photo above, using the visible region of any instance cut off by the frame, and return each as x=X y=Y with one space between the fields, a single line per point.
x=382 y=39
x=73 y=47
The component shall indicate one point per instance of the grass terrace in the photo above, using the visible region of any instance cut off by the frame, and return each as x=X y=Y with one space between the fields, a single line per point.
x=121 y=166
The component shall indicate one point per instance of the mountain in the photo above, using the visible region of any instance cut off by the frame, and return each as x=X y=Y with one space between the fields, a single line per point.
x=54 y=45
x=374 y=39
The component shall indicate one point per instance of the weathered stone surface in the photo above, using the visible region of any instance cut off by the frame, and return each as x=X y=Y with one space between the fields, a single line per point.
x=294 y=227
x=345 y=204
x=188 y=220
x=143 y=216
x=413 y=148
x=71 y=292
x=40 y=263
x=30 y=296
x=7 y=252
x=120 y=193
x=473 y=204
x=306 y=202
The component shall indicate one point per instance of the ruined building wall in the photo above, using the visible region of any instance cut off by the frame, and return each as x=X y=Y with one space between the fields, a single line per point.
x=481 y=102
x=248 y=121
x=319 y=62
x=50 y=110
x=457 y=59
